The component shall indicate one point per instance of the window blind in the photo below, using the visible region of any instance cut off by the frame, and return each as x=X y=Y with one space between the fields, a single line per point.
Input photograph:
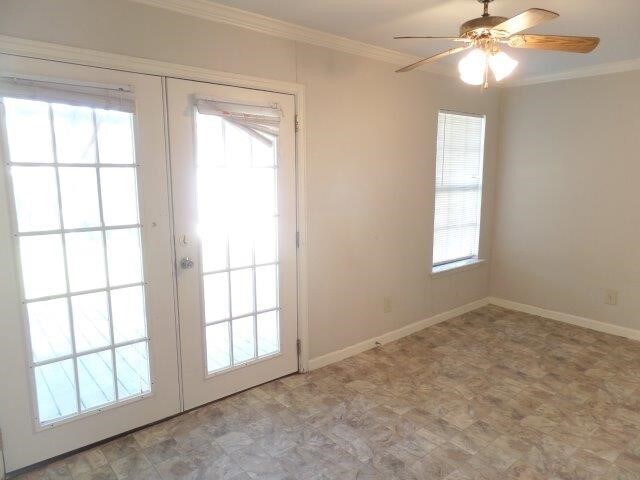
x=458 y=190
x=262 y=123
x=94 y=96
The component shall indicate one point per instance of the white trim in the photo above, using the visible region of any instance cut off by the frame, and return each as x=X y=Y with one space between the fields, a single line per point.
x=589 y=323
x=582 y=72
x=360 y=347
x=216 y=12
x=447 y=269
x=302 y=228
x=61 y=53
x=173 y=252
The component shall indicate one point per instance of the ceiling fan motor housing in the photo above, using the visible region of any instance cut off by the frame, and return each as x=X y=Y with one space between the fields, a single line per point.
x=480 y=26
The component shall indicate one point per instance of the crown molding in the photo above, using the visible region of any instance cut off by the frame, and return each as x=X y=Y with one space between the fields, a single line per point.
x=582 y=72
x=216 y=12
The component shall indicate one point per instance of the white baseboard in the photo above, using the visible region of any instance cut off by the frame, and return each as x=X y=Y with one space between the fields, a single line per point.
x=370 y=343
x=568 y=318
x=360 y=347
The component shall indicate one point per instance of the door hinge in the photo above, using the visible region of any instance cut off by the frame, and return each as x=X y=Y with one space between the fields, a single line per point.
x=297 y=123
x=297 y=239
x=299 y=346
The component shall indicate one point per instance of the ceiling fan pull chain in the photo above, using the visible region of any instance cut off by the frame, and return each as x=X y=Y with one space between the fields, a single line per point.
x=486 y=76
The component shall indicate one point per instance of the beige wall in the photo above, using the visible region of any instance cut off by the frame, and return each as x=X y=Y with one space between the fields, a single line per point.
x=568 y=203
x=371 y=154
x=371 y=177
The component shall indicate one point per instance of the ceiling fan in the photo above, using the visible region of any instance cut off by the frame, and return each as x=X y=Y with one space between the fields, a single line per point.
x=484 y=35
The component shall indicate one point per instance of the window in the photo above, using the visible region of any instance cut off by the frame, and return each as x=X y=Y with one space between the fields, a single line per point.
x=238 y=223
x=458 y=189
x=73 y=180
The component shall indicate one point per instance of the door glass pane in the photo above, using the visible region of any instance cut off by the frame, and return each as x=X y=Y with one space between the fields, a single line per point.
x=56 y=388
x=119 y=196
x=49 y=329
x=238 y=224
x=79 y=192
x=127 y=308
x=263 y=154
x=91 y=321
x=266 y=248
x=214 y=191
x=264 y=192
x=218 y=350
x=241 y=292
x=240 y=245
x=243 y=340
x=268 y=333
x=214 y=249
x=75 y=137
x=42 y=265
x=124 y=256
x=115 y=137
x=85 y=261
x=36 y=198
x=237 y=146
x=266 y=287
x=132 y=364
x=95 y=376
x=28 y=131
x=79 y=186
x=216 y=297
x=210 y=146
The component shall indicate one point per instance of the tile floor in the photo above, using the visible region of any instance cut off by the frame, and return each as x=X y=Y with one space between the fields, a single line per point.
x=493 y=394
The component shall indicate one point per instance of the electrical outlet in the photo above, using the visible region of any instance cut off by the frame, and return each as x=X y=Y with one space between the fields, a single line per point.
x=387 y=304
x=611 y=297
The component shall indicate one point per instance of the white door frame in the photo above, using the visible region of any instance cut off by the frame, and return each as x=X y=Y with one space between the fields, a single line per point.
x=62 y=53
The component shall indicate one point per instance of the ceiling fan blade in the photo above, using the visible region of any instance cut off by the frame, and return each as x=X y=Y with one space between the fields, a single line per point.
x=433 y=58
x=525 y=20
x=429 y=37
x=558 y=43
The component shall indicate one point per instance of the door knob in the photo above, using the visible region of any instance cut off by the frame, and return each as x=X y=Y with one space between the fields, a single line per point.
x=186 y=263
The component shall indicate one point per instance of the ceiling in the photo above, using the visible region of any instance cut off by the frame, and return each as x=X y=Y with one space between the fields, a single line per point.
x=616 y=22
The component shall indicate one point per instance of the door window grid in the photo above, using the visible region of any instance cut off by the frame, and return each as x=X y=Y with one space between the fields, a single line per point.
x=70 y=381
x=233 y=340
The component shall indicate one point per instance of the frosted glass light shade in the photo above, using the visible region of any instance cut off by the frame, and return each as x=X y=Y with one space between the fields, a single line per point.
x=473 y=67
x=502 y=65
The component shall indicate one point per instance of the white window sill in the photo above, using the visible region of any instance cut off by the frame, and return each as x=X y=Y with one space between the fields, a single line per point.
x=454 y=267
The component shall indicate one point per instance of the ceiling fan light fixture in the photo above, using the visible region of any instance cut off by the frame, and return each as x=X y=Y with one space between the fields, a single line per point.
x=486 y=33
x=502 y=65
x=473 y=67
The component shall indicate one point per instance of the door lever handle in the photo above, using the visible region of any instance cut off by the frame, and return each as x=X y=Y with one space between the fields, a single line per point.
x=186 y=263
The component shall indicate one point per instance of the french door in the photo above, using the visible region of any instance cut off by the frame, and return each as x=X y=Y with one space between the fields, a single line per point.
x=234 y=191
x=88 y=342
x=94 y=340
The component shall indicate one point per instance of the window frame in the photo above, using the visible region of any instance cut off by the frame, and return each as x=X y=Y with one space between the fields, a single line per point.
x=470 y=261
